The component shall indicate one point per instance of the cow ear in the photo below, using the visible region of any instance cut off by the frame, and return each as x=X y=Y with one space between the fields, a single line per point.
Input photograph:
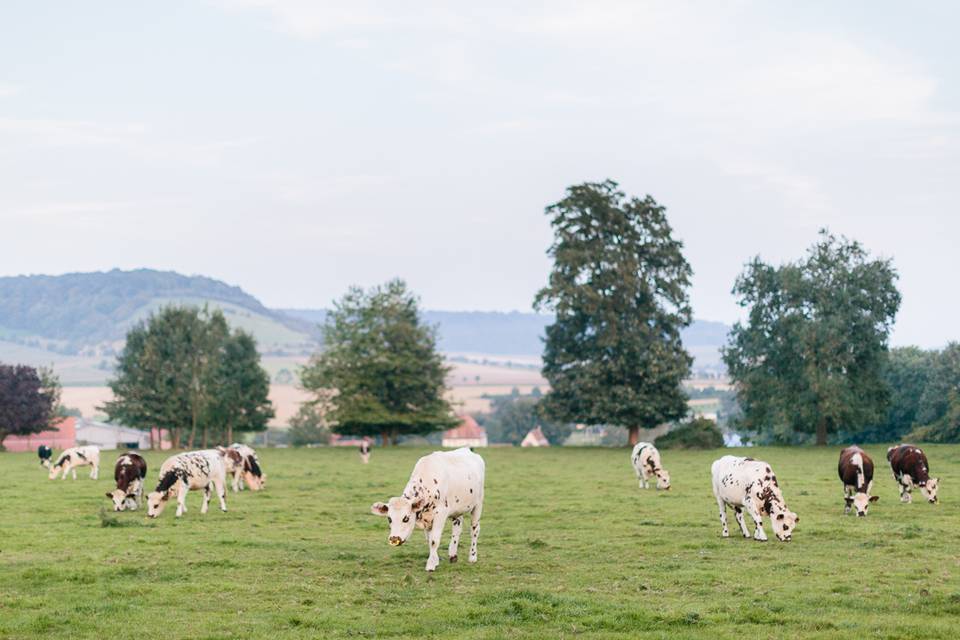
x=109 y=495
x=874 y=498
x=848 y=500
x=416 y=504
x=379 y=509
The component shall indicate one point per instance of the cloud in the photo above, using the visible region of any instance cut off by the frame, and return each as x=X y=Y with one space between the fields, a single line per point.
x=7 y=90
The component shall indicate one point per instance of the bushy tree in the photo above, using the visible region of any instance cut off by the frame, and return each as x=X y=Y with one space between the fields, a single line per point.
x=618 y=289
x=938 y=407
x=29 y=400
x=182 y=367
x=810 y=357
x=241 y=387
x=383 y=363
x=699 y=433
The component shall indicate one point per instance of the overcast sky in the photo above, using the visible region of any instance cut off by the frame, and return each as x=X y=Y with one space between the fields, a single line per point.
x=294 y=149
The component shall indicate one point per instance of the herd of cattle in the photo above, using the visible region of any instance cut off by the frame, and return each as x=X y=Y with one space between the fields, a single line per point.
x=203 y=470
x=448 y=485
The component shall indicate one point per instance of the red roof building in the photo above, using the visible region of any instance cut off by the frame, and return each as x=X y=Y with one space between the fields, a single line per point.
x=468 y=434
x=535 y=438
x=63 y=438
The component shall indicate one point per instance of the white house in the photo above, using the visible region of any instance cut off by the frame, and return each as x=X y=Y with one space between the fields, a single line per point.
x=535 y=438
x=111 y=436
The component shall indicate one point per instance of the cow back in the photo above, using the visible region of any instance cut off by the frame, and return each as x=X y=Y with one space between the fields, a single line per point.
x=849 y=470
x=910 y=460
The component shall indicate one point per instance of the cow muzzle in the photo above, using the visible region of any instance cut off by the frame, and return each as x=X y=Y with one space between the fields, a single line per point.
x=396 y=541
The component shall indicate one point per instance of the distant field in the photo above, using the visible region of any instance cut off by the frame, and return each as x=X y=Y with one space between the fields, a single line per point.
x=569 y=548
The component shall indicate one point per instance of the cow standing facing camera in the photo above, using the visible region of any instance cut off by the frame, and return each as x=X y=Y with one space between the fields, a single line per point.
x=745 y=483
x=856 y=473
x=44 y=453
x=444 y=485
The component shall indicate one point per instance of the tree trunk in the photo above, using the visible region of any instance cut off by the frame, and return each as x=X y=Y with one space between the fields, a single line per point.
x=822 y=432
x=205 y=436
x=229 y=435
x=634 y=435
x=394 y=434
x=175 y=434
x=384 y=438
x=151 y=439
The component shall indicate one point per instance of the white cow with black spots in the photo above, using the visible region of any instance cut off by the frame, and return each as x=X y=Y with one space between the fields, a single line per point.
x=745 y=483
x=185 y=471
x=444 y=485
x=646 y=462
x=248 y=470
x=75 y=457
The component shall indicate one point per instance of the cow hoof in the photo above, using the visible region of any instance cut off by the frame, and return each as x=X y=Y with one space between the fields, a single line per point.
x=725 y=534
x=453 y=558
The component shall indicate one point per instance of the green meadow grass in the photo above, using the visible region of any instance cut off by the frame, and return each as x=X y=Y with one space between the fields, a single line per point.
x=569 y=548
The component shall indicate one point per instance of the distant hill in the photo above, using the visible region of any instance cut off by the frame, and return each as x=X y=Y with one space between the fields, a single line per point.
x=82 y=312
x=78 y=321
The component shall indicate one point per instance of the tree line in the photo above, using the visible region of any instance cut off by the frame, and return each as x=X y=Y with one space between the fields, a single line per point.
x=811 y=360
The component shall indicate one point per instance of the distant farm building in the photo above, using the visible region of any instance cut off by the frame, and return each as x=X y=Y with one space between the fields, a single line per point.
x=468 y=434
x=113 y=436
x=63 y=438
x=535 y=438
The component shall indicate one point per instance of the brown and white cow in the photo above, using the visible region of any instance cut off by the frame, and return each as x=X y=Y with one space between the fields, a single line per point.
x=365 y=450
x=75 y=457
x=856 y=473
x=249 y=470
x=646 y=462
x=128 y=472
x=185 y=471
x=910 y=468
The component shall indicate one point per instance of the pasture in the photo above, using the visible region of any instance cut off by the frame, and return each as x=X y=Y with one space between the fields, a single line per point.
x=569 y=548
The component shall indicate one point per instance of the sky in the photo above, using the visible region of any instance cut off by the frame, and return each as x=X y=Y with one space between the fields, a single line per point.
x=294 y=147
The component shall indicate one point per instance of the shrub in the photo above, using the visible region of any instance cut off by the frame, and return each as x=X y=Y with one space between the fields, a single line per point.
x=699 y=433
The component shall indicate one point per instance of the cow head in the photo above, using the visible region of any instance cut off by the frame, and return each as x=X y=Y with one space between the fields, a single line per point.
x=783 y=523
x=45 y=462
x=663 y=479
x=402 y=516
x=860 y=501
x=122 y=500
x=929 y=490
x=157 y=500
x=55 y=469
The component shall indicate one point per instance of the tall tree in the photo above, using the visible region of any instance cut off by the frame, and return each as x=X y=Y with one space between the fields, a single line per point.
x=618 y=289
x=383 y=363
x=242 y=388
x=513 y=417
x=810 y=357
x=171 y=373
x=29 y=400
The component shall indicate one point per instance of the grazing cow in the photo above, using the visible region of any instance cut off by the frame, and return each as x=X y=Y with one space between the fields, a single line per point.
x=129 y=473
x=910 y=467
x=75 y=457
x=233 y=463
x=365 y=450
x=444 y=484
x=249 y=471
x=646 y=462
x=44 y=453
x=856 y=473
x=745 y=483
x=185 y=471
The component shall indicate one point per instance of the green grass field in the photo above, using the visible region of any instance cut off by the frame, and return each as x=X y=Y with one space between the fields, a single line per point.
x=570 y=548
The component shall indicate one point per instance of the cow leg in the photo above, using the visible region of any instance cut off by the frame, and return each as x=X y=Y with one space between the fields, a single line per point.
x=475 y=531
x=206 y=499
x=846 y=500
x=758 y=533
x=738 y=511
x=456 y=527
x=95 y=472
x=221 y=487
x=436 y=532
x=723 y=518
x=236 y=480
x=66 y=472
x=182 y=500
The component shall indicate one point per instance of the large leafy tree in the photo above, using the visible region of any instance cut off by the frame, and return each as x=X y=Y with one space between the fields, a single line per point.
x=810 y=358
x=938 y=407
x=29 y=400
x=383 y=364
x=241 y=388
x=618 y=289
x=179 y=368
